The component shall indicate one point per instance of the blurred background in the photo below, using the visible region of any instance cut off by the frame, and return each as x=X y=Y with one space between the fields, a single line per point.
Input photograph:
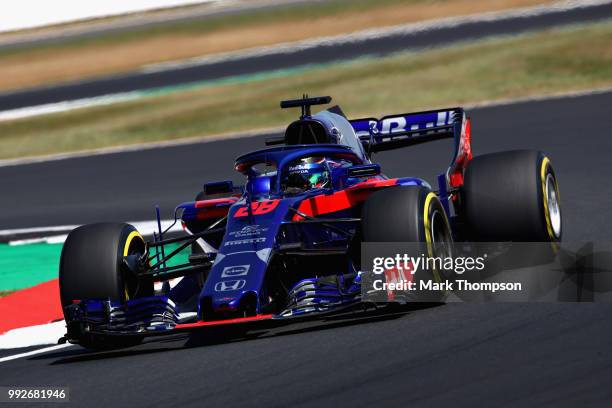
x=84 y=75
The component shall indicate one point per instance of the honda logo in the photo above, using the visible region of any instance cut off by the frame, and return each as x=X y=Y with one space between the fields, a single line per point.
x=229 y=285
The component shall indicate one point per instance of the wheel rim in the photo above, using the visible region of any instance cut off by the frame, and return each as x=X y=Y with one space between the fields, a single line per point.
x=133 y=246
x=440 y=235
x=441 y=242
x=552 y=201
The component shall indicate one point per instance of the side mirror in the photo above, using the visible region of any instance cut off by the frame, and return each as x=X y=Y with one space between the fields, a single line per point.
x=364 y=170
x=219 y=187
x=259 y=185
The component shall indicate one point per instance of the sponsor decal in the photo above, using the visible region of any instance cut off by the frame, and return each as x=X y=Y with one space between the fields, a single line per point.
x=237 y=270
x=297 y=169
x=246 y=241
x=248 y=231
x=401 y=123
x=229 y=285
x=258 y=208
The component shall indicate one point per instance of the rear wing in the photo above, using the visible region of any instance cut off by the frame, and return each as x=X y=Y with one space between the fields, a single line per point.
x=395 y=131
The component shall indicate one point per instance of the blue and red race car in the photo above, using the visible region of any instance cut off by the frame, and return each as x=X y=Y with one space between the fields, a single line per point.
x=287 y=244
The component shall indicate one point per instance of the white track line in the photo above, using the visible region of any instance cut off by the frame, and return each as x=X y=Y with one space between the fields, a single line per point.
x=34 y=352
x=35 y=230
x=37 y=335
x=29 y=14
x=144 y=227
x=58 y=107
x=55 y=239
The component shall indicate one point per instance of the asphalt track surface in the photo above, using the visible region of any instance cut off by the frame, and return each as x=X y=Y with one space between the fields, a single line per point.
x=381 y=46
x=449 y=355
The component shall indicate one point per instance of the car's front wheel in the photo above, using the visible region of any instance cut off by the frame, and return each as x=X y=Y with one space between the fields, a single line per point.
x=91 y=267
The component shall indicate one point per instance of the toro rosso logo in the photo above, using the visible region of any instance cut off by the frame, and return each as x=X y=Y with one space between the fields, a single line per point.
x=258 y=208
x=229 y=285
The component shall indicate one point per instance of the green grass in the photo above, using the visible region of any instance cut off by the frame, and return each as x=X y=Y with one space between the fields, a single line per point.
x=23 y=266
x=576 y=58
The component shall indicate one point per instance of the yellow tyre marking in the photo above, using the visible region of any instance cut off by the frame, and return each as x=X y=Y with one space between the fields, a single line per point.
x=129 y=240
x=545 y=162
x=126 y=251
x=428 y=199
x=428 y=238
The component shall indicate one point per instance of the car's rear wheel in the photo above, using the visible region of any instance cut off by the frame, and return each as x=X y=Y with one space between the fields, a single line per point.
x=412 y=214
x=512 y=196
x=91 y=267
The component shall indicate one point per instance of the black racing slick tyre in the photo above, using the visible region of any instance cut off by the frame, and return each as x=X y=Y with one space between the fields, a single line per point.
x=91 y=263
x=512 y=196
x=91 y=267
x=404 y=214
x=411 y=214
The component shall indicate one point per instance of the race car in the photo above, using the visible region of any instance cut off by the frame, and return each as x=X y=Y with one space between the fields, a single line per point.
x=287 y=244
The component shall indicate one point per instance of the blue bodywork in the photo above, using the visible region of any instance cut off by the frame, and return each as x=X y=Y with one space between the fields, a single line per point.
x=284 y=254
x=249 y=253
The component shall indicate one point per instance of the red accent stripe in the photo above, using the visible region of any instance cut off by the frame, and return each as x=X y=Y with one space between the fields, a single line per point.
x=207 y=213
x=214 y=202
x=222 y=322
x=341 y=200
x=373 y=183
x=39 y=304
x=213 y=208
x=464 y=155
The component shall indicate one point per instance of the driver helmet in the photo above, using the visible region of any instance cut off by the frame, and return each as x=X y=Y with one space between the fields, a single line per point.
x=306 y=174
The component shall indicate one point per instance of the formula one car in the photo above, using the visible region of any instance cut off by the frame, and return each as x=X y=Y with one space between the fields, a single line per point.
x=287 y=243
